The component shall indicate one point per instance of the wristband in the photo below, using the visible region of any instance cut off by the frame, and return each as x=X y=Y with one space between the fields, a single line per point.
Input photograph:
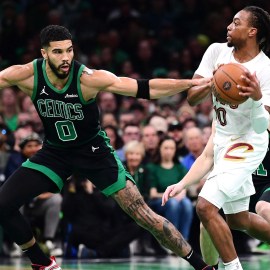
x=143 y=89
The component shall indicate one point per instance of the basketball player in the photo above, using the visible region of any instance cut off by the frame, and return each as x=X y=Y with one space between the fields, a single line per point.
x=64 y=93
x=259 y=203
x=239 y=138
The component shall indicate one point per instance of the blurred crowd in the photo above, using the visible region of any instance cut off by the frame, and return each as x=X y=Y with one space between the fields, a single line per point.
x=157 y=140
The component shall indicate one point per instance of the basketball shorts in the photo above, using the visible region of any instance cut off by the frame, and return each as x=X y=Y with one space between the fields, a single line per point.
x=229 y=185
x=96 y=161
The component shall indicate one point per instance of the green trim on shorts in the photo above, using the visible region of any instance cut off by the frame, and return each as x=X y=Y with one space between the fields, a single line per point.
x=123 y=174
x=268 y=189
x=45 y=170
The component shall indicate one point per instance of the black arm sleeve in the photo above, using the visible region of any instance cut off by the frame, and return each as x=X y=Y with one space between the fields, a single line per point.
x=143 y=89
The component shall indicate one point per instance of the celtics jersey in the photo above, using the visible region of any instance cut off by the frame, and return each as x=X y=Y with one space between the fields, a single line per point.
x=262 y=174
x=68 y=119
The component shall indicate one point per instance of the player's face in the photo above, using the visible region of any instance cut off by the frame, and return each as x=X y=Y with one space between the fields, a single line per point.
x=239 y=30
x=60 y=56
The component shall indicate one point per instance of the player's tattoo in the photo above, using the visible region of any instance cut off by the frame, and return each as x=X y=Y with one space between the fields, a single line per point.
x=87 y=72
x=133 y=204
x=171 y=232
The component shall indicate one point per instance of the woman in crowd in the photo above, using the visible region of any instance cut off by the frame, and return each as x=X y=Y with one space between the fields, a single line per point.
x=167 y=170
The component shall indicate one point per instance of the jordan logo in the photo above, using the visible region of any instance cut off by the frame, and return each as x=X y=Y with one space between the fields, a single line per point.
x=94 y=148
x=43 y=91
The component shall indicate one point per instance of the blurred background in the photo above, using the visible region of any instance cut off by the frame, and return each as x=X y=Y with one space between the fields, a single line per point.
x=134 y=38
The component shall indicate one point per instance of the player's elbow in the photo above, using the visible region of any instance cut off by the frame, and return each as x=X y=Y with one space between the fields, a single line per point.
x=259 y=117
x=260 y=124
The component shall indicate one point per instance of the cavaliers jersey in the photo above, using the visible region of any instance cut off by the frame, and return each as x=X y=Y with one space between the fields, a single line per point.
x=68 y=119
x=262 y=174
x=235 y=121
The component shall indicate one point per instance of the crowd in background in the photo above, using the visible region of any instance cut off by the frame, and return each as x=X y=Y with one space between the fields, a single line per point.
x=157 y=140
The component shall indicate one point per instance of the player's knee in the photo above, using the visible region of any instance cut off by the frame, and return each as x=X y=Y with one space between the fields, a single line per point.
x=263 y=208
x=203 y=209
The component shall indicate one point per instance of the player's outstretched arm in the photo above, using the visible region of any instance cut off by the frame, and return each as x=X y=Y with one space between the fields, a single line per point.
x=202 y=165
x=101 y=80
x=19 y=75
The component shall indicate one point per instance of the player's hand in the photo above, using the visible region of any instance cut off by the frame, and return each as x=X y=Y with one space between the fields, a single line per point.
x=171 y=191
x=201 y=81
x=252 y=88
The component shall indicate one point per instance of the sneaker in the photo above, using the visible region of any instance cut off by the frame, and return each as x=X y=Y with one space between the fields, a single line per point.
x=262 y=248
x=53 y=266
x=53 y=249
x=15 y=251
x=86 y=253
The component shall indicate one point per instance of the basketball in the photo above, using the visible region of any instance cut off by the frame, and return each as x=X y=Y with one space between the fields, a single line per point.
x=225 y=82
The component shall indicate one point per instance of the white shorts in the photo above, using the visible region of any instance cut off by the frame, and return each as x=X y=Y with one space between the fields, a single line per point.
x=230 y=185
x=217 y=197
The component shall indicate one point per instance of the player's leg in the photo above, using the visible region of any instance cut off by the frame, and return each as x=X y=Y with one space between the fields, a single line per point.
x=217 y=228
x=21 y=187
x=262 y=208
x=132 y=203
x=209 y=251
x=210 y=200
x=263 y=205
x=253 y=224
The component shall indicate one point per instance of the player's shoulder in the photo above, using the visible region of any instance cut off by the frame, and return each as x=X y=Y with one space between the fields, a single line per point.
x=219 y=47
x=263 y=58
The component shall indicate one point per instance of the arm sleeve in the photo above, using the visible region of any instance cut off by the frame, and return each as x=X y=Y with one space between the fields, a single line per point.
x=259 y=117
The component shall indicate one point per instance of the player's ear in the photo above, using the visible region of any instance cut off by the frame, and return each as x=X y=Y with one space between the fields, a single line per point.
x=253 y=31
x=43 y=53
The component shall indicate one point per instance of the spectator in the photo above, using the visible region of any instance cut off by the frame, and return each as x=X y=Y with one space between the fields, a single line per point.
x=150 y=141
x=4 y=153
x=185 y=112
x=134 y=153
x=204 y=115
x=107 y=102
x=108 y=119
x=166 y=171
x=206 y=132
x=10 y=108
x=175 y=131
x=139 y=113
x=125 y=118
x=160 y=124
x=115 y=140
x=194 y=142
x=131 y=132
x=193 y=139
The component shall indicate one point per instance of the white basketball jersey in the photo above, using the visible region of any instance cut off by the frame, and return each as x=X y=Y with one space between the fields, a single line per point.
x=235 y=121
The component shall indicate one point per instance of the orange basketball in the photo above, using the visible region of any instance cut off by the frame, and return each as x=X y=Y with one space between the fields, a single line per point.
x=225 y=81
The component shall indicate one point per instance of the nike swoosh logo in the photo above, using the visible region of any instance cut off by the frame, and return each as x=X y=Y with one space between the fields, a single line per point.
x=234 y=139
x=188 y=257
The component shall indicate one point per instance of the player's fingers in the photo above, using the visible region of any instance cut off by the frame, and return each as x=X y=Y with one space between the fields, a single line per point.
x=165 y=196
x=245 y=79
x=243 y=90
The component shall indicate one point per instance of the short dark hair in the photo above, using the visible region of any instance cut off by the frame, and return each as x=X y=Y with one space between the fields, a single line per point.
x=54 y=33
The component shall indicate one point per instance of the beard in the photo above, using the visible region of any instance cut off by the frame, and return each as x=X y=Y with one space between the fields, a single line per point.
x=56 y=70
